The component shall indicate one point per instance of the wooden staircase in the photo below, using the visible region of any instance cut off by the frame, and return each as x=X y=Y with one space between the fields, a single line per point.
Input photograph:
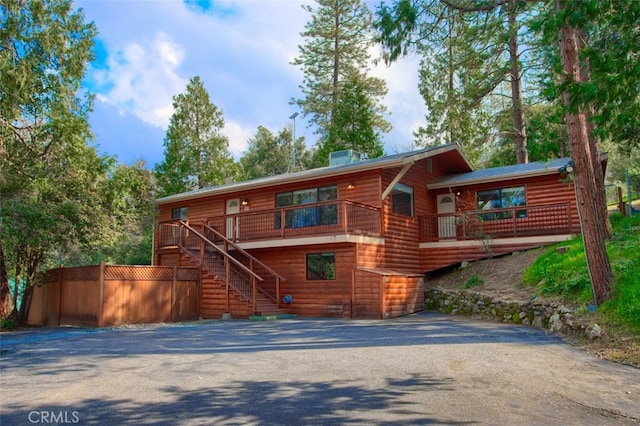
x=230 y=276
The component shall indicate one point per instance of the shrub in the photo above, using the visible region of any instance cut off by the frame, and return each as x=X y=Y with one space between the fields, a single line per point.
x=473 y=281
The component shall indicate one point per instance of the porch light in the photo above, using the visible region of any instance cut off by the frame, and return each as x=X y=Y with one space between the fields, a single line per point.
x=245 y=202
x=351 y=185
x=567 y=168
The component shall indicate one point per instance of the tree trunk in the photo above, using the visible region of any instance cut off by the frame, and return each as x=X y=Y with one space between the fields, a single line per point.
x=451 y=71
x=519 y=127
x=594 y=142
x=585 y=177
x=6 y=307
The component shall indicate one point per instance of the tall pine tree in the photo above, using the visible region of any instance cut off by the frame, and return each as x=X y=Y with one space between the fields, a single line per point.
x=196 y=152
x=335 y=58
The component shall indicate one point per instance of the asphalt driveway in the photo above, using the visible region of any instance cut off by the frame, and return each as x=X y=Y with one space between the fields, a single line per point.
x=420 y=369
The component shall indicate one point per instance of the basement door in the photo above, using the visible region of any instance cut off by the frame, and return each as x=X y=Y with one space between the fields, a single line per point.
x=446 y=224
x=233 y=207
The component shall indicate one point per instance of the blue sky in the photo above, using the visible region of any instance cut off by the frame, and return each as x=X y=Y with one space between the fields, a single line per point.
x=148 y=50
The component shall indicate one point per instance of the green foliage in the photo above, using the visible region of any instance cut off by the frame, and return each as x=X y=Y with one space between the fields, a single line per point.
x=625 y=259
x=334 y=57
x=473 y=281
x=7 y=324
x=565 y=274
x=353 y=126
x=467 y=69
x=50 y=180
x=196 y=152
x=546 y=136
x=270 y=154
x=610 y=32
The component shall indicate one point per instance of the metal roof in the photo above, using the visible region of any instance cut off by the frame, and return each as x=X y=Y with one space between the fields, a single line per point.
x=500 y=173
x=385 y=162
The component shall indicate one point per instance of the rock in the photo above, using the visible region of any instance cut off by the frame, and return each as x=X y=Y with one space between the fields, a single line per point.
x=555 y=323
x=593 y=332
x=464 y=264
x=564 y=310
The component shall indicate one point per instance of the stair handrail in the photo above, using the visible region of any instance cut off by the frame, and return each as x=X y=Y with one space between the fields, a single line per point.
x=222 y=252
x=244 y=252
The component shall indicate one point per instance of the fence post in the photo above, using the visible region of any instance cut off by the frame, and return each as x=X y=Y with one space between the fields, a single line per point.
x=621 y=202
x=101 y=267
x=174 y=283
x=60 y=281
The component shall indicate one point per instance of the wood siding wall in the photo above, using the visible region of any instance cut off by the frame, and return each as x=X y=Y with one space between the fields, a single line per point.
x=367 y=295
x=402 y=295
x=433 y=259
x=379 y=294
x=316 y=298
x=366 y=190
x=353 y=293
x=539 y=191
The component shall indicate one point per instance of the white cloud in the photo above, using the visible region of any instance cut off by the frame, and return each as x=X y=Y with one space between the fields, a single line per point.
x=142 y=78
x=241 y=50
x=238 y=137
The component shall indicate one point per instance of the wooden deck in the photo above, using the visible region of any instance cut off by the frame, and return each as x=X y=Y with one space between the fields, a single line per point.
x=515 y=222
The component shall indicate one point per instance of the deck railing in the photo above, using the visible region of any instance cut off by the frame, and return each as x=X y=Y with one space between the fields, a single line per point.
x=520 y=221
x=238 y=269
x=328 y=217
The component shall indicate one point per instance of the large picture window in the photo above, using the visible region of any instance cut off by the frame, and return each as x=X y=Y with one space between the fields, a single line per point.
x=502 y=198
x=308 y=216
x=402 y=199
x=321 y=266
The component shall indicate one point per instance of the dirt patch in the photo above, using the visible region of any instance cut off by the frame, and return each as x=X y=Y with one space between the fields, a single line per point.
x=502 y=277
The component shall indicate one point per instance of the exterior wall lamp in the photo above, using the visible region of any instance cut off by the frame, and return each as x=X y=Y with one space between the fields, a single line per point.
x=245 y=202
x=351 y=185
x=567 y=168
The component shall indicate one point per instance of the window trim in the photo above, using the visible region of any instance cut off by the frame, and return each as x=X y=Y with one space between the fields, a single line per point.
x=321 y=274
x=182 y=213
x=404 y=189
x=303 y=217
x=488 y=207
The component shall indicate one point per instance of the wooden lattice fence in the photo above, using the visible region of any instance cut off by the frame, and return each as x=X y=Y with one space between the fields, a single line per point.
x=106 y=295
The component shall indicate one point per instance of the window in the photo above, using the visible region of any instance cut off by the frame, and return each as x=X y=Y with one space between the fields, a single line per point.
x=321 y=266
x=503 y=198
x=179 y=213
x=402 y=199
x=308 y=216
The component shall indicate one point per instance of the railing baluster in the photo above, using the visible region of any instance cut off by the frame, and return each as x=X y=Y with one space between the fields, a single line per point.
x=514 y=221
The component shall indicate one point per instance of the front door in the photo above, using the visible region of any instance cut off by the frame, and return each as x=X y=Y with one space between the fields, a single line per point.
x=233 y=207
x=446 y=224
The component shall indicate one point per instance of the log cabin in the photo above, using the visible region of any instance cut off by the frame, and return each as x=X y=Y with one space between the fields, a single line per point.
x=356 y=239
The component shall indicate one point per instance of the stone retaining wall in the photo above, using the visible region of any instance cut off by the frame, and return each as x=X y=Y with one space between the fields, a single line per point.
x=555 y=318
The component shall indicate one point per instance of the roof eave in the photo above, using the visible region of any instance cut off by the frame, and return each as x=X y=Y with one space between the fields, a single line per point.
x=311 y=175
x=440 y=185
